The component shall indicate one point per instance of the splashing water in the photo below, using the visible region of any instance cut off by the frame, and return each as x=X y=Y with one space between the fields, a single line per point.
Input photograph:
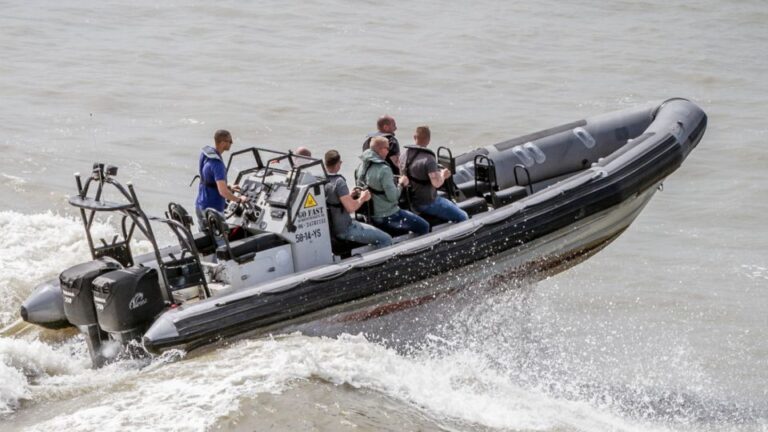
x=497 y=355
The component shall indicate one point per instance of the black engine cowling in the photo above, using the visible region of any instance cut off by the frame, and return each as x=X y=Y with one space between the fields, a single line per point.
x=76 y=289
x=127 y=300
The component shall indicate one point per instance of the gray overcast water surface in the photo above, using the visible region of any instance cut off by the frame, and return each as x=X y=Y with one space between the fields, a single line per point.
x=665 y=329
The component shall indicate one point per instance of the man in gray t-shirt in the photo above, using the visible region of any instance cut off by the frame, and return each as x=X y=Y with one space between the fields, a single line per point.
x=341 y=204
x=420 y=165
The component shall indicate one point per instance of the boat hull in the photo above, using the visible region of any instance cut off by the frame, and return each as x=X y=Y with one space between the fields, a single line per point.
x=564 y=220
x=529 y=261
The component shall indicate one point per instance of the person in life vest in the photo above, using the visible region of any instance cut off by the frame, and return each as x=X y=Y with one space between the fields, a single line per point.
x=213 y=191
x=419 y=164
x=376 y=175
x=387 y=126
x=341 y=203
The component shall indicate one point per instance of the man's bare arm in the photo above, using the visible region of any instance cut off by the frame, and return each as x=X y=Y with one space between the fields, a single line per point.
x=224 y=191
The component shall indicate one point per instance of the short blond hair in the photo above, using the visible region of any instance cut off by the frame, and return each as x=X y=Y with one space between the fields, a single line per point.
x=379 y=143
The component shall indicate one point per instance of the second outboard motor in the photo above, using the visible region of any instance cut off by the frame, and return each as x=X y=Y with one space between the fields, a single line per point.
x=76 y=288
x=127 y=300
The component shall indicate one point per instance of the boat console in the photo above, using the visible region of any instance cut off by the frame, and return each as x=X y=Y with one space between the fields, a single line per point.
x=283 y=224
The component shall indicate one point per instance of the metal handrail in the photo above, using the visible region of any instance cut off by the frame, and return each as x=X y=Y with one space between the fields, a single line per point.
x=492 y=183
x=527 y=173
x=449 y=184
x=131 y=210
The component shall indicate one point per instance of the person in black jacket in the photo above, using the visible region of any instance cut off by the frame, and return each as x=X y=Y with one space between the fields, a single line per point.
x=386 y=128
x=419 y=164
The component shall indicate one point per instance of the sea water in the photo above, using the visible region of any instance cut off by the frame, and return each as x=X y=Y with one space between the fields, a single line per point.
x=665 y=329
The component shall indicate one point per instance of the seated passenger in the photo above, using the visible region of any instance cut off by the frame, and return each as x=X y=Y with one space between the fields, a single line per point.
x=376 y=175
x=303 y=151
x=419 y=164
x=301 y=156
x=387 y=126
x=341 y=204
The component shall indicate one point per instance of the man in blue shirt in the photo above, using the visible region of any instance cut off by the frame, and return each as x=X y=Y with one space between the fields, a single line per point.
x=213 y=191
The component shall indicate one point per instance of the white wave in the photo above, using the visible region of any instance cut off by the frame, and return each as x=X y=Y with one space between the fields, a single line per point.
x=13 y=388
x=17 y=183
x=33 y=248
x=22 y=362
x=755 y=272
x=36 y=247
x=194 y=394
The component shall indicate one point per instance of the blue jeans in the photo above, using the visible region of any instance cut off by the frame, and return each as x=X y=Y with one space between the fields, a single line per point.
x=402 y=222
x=366 y=234
x=444 y=209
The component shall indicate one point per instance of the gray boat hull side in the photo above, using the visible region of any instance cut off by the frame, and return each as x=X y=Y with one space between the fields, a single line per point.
x=531 y=261
x=576 y=146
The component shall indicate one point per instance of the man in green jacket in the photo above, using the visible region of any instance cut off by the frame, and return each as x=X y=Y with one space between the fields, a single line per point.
x=376 y=175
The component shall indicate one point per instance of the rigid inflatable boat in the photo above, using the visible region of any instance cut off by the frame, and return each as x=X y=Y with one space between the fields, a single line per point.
x=537 y=204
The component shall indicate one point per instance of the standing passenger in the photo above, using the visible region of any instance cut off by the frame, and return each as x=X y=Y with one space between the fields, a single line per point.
x=420 y=166
x=377 y=176
x=341 y=204
x=386 y=128
x=213 y=190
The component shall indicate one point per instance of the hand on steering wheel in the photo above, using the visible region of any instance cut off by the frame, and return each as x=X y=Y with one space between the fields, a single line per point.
x=236 y=208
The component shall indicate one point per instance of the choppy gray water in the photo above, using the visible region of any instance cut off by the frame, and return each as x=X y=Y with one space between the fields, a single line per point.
x=663 y=330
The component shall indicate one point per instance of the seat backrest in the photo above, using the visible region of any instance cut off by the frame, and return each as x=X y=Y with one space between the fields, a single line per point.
x=246 y=249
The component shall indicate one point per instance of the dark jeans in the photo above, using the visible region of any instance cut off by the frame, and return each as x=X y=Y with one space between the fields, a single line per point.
x=402 y=222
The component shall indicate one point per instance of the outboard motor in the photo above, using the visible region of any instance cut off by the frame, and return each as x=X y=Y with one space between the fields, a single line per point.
x=127 y=300
x=76 y=288
x=114 y=297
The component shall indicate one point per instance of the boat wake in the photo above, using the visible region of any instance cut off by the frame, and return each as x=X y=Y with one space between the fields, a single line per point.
x=497 y=355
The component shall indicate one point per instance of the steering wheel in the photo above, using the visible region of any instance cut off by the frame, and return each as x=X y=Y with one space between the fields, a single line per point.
x=234 y=208
x=247 y=210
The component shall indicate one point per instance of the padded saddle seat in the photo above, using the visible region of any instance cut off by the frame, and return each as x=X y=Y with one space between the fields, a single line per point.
x=343 y=248
x=507 y=196
x=473 y=205
x=246 y=249
x=204 y=243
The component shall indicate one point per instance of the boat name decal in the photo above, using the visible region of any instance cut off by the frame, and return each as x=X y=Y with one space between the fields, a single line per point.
x=311 y=213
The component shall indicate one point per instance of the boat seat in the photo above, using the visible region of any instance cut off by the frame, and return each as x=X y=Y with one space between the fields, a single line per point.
x=245 y=249
x=343 y=248
x=473 y=205
x=506 y=196
x=204 y=243
x=468 y=188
